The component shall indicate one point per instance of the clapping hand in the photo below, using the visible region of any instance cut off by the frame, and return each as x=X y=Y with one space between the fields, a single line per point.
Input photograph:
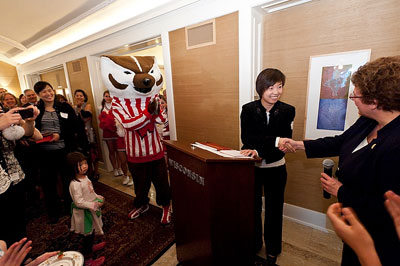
x=392 y=204
x=16 y=253
x=349 y=228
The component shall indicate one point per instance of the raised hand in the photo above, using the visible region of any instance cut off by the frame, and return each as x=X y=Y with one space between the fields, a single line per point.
x=16 y=253
x=392 y=204
x=349 y=228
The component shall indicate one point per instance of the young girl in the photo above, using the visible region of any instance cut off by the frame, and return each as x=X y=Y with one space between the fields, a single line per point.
x=86 y=215
x=107 y=124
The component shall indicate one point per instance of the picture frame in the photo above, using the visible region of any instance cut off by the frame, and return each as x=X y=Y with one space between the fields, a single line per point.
x=329 y=110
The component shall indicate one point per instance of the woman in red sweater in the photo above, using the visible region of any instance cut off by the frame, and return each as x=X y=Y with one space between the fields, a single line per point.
x=107 y=124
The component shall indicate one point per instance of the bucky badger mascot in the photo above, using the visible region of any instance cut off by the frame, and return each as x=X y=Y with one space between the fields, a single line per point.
x=134 y=83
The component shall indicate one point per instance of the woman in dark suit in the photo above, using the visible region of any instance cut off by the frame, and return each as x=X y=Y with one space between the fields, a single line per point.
x=369 y=155
x=263 y=122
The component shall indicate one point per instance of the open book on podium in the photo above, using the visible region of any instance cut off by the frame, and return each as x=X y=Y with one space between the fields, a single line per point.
x=218 y=149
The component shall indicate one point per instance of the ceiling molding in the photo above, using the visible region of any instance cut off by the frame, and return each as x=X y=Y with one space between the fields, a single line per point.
x=12 y=43
x=73 y=21
x=277 y=5
x=7 y=60
x=163 y=7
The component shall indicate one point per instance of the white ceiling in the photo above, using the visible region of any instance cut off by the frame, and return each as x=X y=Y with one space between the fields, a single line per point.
x=30 y=29
x=24 y=23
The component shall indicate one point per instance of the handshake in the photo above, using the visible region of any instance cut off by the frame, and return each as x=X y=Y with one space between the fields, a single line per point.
x=290 y=145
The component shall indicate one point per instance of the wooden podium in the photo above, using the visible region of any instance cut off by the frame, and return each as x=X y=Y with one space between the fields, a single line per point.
x=213 y=204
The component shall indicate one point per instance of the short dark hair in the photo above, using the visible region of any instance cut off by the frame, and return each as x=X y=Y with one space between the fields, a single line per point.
x=379 y=81
x=268 y=77
x=84 y=94
x=40 y=85
x=73 y=160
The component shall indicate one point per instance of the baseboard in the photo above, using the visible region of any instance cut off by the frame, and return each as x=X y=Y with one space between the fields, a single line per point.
x=307 y=217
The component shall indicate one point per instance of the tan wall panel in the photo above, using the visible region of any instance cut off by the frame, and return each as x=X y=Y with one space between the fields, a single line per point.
x=81 y=80
x=55 y=78
x=206 y=85
x=322 y=27
x=9 y=79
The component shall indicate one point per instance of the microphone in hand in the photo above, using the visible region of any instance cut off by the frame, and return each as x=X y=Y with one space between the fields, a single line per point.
x=328 y=165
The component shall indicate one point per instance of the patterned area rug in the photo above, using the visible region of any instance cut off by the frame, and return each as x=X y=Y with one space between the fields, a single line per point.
x=129 y=242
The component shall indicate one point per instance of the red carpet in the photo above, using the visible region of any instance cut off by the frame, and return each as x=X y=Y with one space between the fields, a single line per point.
x=129 y=242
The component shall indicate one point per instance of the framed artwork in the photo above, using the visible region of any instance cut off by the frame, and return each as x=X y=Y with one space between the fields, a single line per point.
x=329 y=109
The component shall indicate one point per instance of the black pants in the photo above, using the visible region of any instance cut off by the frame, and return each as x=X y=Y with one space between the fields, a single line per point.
x=12 y=221
x=53 y=165
x=143 y=174
x=274 y=181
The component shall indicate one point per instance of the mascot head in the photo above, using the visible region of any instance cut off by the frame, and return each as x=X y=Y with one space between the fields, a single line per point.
x=131 y=76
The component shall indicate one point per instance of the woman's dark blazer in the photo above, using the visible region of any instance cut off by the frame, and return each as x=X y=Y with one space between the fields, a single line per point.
x=366 y=175
x=258 y=134
x=68 y=126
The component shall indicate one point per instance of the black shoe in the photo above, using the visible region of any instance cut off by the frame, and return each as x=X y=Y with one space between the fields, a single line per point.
x=258 y=246
x=259 y=261
x=271 y=260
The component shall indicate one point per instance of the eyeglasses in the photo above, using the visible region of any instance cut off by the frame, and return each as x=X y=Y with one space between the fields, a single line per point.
x=353 y=96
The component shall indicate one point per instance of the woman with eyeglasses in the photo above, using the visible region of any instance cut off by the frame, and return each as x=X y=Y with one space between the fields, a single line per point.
x=369 y=156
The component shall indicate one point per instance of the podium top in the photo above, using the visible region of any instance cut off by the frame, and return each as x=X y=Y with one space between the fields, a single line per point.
x=203 y=155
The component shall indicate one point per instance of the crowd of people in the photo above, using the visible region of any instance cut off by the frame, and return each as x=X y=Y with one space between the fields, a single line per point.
x=366 y=217
x=62 y=133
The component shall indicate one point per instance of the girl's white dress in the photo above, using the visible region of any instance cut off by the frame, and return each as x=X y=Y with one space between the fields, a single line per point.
x=84 y=197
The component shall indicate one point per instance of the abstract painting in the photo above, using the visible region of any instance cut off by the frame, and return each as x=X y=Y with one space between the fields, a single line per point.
x=335 y=83
x=329 y=109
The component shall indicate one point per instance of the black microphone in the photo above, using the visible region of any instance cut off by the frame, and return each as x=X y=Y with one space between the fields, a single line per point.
x=328 y=165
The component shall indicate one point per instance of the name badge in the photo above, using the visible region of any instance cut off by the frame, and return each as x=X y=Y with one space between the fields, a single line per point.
x=64 y=115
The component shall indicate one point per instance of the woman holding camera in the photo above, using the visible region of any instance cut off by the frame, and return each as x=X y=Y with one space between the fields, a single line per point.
x=12 y=195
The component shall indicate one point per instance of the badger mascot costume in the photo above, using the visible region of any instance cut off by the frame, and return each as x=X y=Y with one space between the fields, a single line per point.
x=134 y=83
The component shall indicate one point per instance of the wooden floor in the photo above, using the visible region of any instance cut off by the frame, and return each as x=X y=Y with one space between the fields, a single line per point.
x=302 y=245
